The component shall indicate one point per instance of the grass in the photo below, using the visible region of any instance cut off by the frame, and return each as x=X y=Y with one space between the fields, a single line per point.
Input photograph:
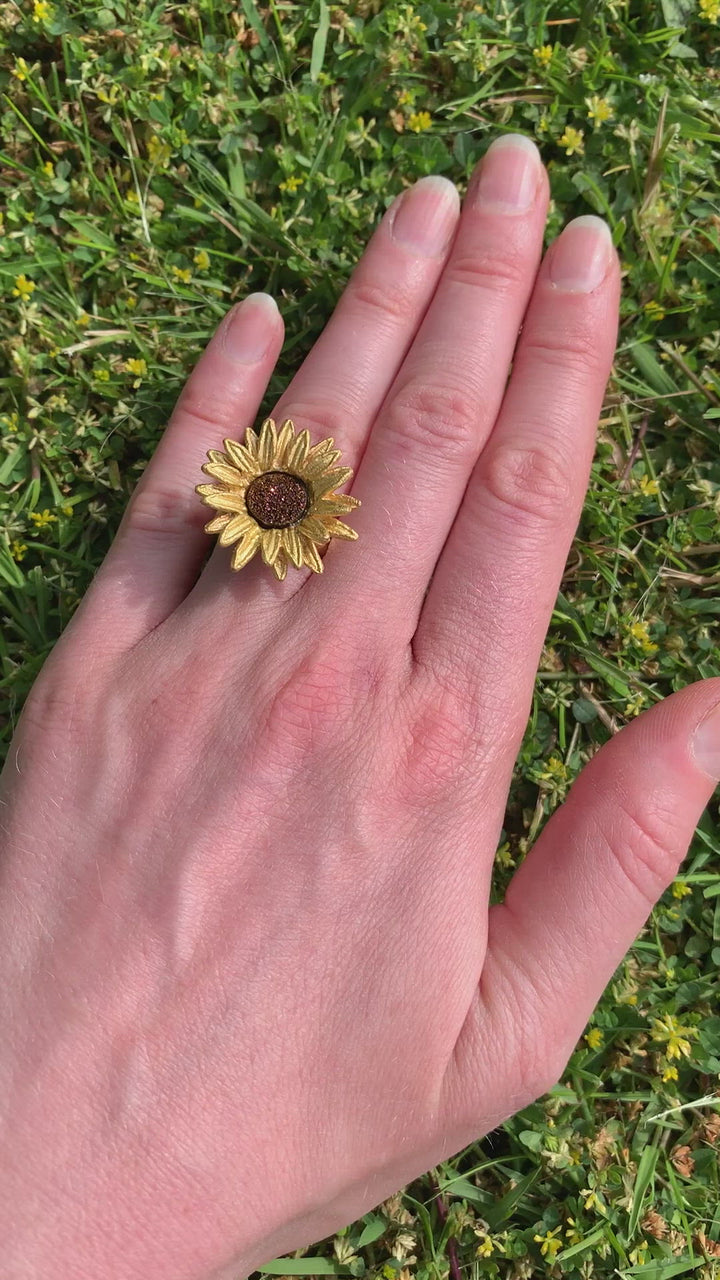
x=161 y=160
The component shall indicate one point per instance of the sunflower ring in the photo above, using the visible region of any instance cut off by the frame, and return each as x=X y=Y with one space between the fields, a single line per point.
x=276 y=494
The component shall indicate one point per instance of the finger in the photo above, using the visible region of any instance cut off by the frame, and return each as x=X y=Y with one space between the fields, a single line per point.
x=343 y=381
x=486 y=614
x=446 y=396
x=581 y=897
x=160 y=544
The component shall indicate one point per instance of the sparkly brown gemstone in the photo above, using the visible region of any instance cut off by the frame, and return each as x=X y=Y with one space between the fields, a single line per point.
x=276 y=499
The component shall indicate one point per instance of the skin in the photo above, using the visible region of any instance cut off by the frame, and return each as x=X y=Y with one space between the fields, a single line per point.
x=249 y=981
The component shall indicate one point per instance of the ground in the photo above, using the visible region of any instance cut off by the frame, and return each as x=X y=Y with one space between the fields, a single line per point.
x=160 y=161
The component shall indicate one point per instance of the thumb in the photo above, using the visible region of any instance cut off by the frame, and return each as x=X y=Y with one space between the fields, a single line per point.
x=584 y=891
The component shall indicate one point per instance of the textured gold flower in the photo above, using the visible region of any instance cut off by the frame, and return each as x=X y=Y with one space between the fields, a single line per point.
x=276 y=495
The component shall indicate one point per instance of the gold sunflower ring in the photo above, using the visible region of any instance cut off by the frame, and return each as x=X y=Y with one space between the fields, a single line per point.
x=276 y=493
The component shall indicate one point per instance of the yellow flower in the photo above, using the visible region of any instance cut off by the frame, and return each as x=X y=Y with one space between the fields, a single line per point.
x=599 y=109
x=136 y=365
x=485 y=1248
x=42 y=518
x=648 y=486
x=639 y=632
x=83 y=319
x=159 y=152
x=543 y=54
x=24 y=288
x=21 y=69
x=637 y=1256
x=42 y=11
x=549 y=1245
x=670 y=1073
x=592 y=1201
x=131 y=301
x=574 y=1236
x=49 y=169
x=11 y=421
x=67 y=509
x=676 y=1036
x=404 y=98
x=101 y=375
x=710 y=10
x=276 y=495
x=653 y=310
x=680 y=889
x=202 y=259
x=635 y=705
x=572 y=140
x=594 y=1038
x=420 y=121
x=292 y=183
x=18 y=549
x=182 y=273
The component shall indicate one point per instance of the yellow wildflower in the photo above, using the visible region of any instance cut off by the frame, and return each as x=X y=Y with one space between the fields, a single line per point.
x=594 y=1038
x=572 y=140
x=639 y=632
x=67 y=509
x=83 y=319
x=574 y=1236
x=42 y=11
x=635 y=705
x=670 y=1073
x=131 y=301
x=420 y=121
x=637 y=1256
x=710 y=10
x=676 y=1036
x=11 y=421
x=680 y=889
x=599 y=109
x=159 y=152
x=592 y=1201
x=292 y=183
x=136 y=365
x=653 y=310
x=485 y=1248
x=404 y=97
x=42 y=518
x=543 y=54
x=17 y=550
x=49 y=169
x=549 y=1245
x=21 y=69
x=182 y=273
x=649 y=486
x=202 y=259
x=24 y=288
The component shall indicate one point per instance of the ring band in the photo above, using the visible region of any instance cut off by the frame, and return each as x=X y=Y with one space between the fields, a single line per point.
x=276 y=494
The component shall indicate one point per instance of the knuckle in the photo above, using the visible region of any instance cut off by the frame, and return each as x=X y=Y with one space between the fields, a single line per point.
x=163 y=509
x=319 y=418
x=436 y=417
x=438 y=749
x=645 y=845
x=527 y=481
x=570 y=350
x=375 y=295
x=498 y=272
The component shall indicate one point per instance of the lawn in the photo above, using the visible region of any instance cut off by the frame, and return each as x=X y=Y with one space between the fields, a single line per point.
x=161 y=160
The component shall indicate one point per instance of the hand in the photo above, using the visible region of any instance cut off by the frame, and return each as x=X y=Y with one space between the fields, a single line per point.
x=250 y=983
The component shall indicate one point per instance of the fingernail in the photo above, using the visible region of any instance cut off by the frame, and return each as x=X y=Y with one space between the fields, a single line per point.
x=248 y=330
x=426 y=216
x=508 y=176
x=580 y=257
x=706 y=744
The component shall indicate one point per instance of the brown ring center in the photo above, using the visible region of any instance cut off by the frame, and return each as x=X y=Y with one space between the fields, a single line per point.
x=277 y=499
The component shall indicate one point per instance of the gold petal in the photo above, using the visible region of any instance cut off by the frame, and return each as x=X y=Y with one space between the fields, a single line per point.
x=217 y=523
x=270 y=544
x=235 y=529
x=246 y=549
x=337 y=529
x=228 y=474
x=244 y=460
x=267 y=445
x=331 y=481
x=311 y=557
x=314 y=467
x=286 y=435
x=280 y=566
x=297 y=452
x=251 y=443
x=313 y=528
x=293 y=547
x=222 y=499
x=332 y=506
x=215 y=455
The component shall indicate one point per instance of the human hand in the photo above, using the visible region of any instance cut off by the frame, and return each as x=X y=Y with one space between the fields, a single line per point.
x=250 y=984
